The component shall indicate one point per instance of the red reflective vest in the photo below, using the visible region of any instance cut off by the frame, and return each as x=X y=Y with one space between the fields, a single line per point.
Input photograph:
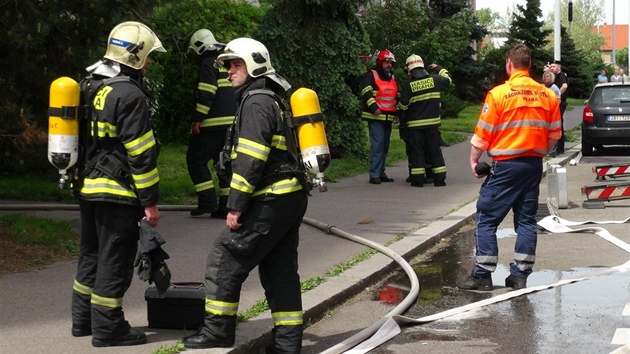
x=385 y=97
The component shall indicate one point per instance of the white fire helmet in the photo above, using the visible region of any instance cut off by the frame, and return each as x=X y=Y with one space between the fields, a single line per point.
x=414 y=61
x=203 y=40
x=256 y=57
x=130 y=43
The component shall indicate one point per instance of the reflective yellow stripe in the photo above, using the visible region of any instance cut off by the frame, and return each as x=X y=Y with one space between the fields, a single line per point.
x=279 y=142
x=199 y=187
x=253 y=149
x=289 y=318
x=216 y=121
x=104 y=129
x=221 y=308
x=439 y=169
x=418 y=171
x=224 y=83
x=281 y=187
x=202 y=86
x=105 y=185
x=366 y=89
x=81 y=289
x=423 y=122
x=225 y=191
x=111 y=302
x=146 y=180
x=140 y=145
x=425 y=97
x=240 y=184
x=202 y=109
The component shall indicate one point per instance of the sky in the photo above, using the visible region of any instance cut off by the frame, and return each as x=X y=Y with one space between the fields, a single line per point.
x=501 y=6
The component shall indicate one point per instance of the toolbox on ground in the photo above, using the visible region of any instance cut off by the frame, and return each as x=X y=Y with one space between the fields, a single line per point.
x=182 y=306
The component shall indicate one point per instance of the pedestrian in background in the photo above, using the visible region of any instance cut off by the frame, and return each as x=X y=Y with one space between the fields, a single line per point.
x=266 y=201
x=615 y=76
x=420 y=104
x=602 y=77
x=520 y=108
x=379 y=96
x=214 y=113
x=548 y=78
x=118 y=187
x=562 y=81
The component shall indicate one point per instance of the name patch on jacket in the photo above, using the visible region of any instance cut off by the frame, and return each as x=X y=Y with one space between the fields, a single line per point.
x=423 y=84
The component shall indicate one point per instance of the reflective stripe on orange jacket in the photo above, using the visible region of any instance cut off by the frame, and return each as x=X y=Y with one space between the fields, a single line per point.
x=517 y=119
x=387 y=93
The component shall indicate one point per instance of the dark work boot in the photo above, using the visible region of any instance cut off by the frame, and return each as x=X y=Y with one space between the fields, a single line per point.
x=515 y=282
x=375 y=180
x=201 y=341
x=385 y=178
x=133 y=337
x=475 y=283
x=81 y=330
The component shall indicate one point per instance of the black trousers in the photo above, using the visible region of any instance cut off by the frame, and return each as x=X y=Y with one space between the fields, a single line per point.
x=273 y=228
x=203 y=148
x=109 y=241
x=560 y=143
x=423 y=146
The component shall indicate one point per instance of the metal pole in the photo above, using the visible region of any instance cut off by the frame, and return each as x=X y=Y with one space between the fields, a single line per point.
x=628 y=35
x=556 y=31
x=614 y=41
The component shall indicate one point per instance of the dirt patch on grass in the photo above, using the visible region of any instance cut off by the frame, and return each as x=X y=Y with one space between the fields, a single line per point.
x=17 y=258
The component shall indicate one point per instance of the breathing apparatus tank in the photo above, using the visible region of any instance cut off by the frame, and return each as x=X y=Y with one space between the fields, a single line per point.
x=63 y=126
x=308 y=118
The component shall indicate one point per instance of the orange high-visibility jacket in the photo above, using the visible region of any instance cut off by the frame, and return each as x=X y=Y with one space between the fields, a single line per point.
x=517 y=119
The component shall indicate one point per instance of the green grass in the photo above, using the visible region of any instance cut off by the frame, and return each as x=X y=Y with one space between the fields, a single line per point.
x=35 y=231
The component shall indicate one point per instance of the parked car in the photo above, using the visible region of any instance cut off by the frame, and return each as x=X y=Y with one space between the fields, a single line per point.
x=606 y=117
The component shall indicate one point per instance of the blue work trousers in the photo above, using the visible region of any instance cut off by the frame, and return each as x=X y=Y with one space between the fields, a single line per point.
x=380 y=133
x=515 y=185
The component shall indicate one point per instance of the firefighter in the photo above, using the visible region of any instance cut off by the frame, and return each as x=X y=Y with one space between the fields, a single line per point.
x=214 y=113
x=118 y=186
x=379 y=95
x=420 y=102
x=266 y=202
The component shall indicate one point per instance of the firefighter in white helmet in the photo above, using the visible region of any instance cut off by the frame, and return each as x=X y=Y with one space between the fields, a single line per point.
x=420 y=104
x=214 y=113
x=266 y=202
x=117 y=187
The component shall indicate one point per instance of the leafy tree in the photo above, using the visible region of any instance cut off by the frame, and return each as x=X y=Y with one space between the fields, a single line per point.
x=527 y=28
x=317 y=44
x=581 y=73
x=621 y=58
x=44 y=40
x=441 y=33
x=586 y=15
x=172 y=76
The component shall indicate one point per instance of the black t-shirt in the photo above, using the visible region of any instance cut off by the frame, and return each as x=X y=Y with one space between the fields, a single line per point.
x=561 y=79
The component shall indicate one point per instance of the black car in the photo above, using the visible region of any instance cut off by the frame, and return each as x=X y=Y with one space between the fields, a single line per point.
x=606 y=117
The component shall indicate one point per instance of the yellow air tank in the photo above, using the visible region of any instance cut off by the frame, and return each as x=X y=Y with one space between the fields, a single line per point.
x=311 y=134
x=63 y=126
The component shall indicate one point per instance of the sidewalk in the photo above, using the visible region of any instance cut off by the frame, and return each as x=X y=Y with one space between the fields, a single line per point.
x=35 y=306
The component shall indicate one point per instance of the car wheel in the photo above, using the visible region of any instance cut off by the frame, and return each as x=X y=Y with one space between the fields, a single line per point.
x=587 y=149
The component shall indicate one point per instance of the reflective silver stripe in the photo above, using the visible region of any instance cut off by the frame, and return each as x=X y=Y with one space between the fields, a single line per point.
x=523 y=123
x=141 y=144
x=425 y=97
x=513 y=152
x=146 y=180
x=104 y=129
x=240 y=184
x=279 y=142
x=281 y=187
x=524 y=257
x=253 y=149
x=106 y=186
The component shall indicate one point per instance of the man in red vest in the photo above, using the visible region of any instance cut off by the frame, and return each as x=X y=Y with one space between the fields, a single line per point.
x=379 y=97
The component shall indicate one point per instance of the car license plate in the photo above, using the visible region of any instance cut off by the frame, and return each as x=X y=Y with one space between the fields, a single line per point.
x=619 y=118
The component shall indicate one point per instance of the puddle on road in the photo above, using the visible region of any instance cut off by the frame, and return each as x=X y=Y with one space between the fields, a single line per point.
x=584 y=310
